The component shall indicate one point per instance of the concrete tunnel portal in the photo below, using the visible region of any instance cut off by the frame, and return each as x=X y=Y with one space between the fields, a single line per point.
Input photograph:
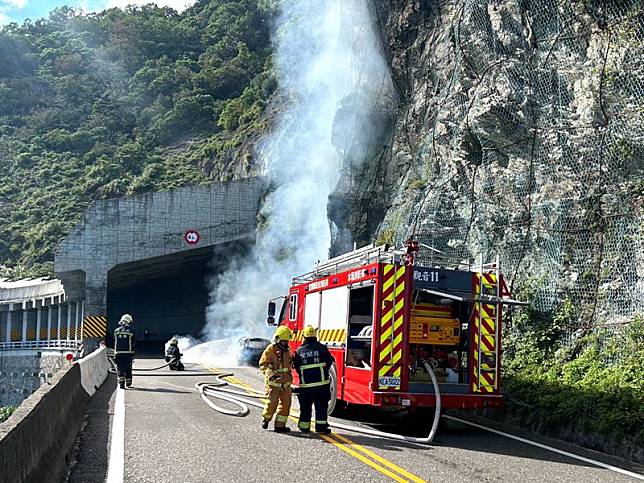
x=155 y=256
x=168 y=295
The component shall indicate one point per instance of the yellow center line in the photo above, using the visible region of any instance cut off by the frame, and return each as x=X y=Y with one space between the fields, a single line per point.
x=347 y=449
x=350 y=447
x=361 y=458
x=380 y=459
x=345 y=444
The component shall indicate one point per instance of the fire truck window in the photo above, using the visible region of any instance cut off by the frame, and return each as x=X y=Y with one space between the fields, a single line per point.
x=361 y=301
x=292 y=307
x=283 y=311
x=360 y=327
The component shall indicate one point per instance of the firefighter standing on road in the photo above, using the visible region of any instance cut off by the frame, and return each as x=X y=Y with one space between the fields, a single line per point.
x=312 y=362
x=275 y=364
x=124 y=350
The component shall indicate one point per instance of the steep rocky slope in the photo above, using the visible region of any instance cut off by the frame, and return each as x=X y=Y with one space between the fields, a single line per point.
x=519 y=131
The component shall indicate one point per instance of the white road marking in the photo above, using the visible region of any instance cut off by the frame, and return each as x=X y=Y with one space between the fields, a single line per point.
x=550 y=448
x=117 y=446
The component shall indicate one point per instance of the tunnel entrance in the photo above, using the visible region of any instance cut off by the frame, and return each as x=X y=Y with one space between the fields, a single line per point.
x=167 y=295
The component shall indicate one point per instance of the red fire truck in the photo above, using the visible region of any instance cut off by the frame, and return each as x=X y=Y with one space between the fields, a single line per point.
x=383 y=314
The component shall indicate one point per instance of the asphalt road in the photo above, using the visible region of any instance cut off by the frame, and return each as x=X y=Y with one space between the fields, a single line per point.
x=171 y=435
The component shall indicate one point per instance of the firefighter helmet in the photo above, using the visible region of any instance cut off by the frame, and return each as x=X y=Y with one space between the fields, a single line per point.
x=309 y=331
x=283 y=333
x=126 y=319
x=174 y=341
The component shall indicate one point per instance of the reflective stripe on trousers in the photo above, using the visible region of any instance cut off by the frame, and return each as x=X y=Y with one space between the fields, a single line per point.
x=280 y=399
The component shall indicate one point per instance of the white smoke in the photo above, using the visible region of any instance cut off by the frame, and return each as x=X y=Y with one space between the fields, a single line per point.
x=215 y=353
x=183 y=342
x=221 y=353
x=328 y=57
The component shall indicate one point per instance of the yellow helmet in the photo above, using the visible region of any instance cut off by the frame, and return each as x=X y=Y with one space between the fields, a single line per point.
x=309 y=331
x=283 y=333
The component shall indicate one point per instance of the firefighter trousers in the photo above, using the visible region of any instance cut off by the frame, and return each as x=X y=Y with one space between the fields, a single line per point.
x=124 y=368
x=176 y=366
x=318 y=397
x=275 y=396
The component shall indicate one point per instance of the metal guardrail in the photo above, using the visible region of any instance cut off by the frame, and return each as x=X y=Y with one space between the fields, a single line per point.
x=356 y=258
x=40 y=344
x=426 y=257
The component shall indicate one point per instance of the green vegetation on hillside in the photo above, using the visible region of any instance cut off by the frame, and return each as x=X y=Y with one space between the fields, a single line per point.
x=6 y=411
x=119 y=103
x=586 y=389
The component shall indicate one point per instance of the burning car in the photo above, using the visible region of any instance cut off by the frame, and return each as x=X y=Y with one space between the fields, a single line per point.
x=251 y=349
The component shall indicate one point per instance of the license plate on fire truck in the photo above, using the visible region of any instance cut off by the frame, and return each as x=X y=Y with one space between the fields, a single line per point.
x=389 y=382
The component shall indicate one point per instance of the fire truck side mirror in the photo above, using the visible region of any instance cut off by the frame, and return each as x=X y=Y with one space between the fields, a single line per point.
x=270 y=320
x=271 y=309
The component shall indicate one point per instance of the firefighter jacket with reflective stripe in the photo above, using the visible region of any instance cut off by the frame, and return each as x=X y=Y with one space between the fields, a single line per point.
x=123 y=340
x=276 y=364
x=312 y=362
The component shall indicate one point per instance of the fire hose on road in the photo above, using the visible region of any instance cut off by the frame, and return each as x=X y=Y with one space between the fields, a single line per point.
x=219 y=390
x=110 y=357
x=238 y=396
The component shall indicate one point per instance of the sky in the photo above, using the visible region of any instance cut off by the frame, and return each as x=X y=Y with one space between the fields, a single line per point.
x=18 y=10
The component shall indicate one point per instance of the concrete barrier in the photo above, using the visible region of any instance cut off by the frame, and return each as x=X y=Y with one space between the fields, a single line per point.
x=94 y=369
x=36 y=440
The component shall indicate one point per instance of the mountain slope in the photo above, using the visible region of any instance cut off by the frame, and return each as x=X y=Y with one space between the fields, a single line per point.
x=119 y=103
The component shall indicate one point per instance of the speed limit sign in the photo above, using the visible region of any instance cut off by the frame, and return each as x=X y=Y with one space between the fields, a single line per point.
x=191 y=237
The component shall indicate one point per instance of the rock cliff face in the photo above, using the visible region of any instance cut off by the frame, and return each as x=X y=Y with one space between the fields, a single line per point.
x=519 y=130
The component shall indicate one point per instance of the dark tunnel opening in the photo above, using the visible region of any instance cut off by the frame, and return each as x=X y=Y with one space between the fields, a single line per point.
x=167 y=295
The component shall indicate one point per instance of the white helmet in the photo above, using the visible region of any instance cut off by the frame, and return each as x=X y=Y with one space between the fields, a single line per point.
x=174 y=341
x=126 y=319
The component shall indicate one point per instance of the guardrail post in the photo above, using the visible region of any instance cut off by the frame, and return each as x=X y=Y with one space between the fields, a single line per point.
x=69 y=319
x=82 y=319
x=49 y=322
x=24 y=322
x=76 y=322
x=9 y=312
x=38 y=322
x=60 y=316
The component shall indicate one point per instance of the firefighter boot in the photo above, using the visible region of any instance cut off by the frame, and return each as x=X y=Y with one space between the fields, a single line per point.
x=280 y=424
x=322 y=428
x=265 y=423
x=122 y=384
x=304 y=427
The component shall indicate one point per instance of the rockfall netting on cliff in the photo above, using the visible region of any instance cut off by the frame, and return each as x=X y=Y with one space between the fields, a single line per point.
x=521 y=133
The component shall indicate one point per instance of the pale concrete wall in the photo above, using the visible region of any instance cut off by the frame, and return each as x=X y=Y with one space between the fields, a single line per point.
x=123 y=230
x=21 y=373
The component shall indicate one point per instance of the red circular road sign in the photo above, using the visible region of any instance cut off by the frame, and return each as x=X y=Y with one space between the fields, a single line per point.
x=191 y=237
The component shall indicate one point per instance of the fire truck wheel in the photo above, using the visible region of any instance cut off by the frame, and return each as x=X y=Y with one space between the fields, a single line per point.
x=333 y=389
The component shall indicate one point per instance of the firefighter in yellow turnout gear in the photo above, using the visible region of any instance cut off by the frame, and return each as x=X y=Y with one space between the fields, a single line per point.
x=275 y=364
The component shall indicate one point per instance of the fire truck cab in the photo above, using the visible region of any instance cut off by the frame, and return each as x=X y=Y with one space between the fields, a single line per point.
x=383 y=314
